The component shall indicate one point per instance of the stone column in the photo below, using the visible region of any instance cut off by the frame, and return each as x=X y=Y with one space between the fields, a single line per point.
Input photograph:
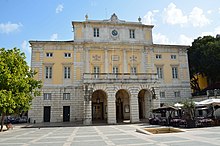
x=125 y=61
x=134 y=110
x=106 y=61
x=87 y=119
x=87 y=113
x=111 y=108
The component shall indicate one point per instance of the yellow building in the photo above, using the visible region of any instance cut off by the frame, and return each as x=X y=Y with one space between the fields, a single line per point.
x=111 y=71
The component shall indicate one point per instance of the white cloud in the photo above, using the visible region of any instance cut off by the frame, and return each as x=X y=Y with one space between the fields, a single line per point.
x=160 y=39
x=197 y=18
x=184 y=40
x=9 y=27
x=217 y=30
x=148 y=18
x=54 y=37
x=173 y=15
x=209 y=11
x=213 y=33
x=59 y=8
x=25 y=47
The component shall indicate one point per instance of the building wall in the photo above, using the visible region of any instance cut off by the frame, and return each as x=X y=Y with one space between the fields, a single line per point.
x=106 y=52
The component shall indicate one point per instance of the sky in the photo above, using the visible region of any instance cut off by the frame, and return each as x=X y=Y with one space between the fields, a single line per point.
x=176 y=22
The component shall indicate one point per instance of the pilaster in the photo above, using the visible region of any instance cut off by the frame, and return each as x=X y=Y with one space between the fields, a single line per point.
x=106 y=61
x=125 y=61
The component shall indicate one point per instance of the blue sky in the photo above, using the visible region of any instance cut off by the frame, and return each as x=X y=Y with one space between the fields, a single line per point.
x=175 y=21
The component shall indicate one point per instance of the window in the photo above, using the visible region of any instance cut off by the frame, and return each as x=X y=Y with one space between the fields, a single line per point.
x=47 y=96
x=48 y=72
x=158 y=56
x=160 y=72
x=96 y=72
x=177 y=94
x=133 y=70
x=115 y=71
x=162 y=94
x=96 y=32
x=49 y=54
x=67 y=55
x=132 y=33
x=66 y=72
x=174 y=72
x=173 y=56
x=66 y=96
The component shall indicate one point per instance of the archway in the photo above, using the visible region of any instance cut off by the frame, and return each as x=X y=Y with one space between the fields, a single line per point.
x=122 y=106
x=144 y=104
x=99 y=106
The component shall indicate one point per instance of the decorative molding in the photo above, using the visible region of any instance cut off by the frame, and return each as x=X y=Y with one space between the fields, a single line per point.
x=96 y=57
x=115 y=58
x=133 y=58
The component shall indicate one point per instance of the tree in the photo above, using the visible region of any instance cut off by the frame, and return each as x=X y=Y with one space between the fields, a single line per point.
x=204 y=58
x=17 y=83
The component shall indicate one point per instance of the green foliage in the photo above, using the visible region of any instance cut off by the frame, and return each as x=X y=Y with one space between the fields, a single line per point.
x=189 y=109
x=17 y=83
x=204 y=57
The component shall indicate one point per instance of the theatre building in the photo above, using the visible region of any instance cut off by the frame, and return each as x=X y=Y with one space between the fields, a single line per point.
x=111 y=71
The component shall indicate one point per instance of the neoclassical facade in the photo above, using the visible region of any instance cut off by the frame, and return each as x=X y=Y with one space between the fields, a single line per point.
x=110 y=72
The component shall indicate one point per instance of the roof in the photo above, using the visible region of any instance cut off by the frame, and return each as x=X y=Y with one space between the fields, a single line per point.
x=113 y=20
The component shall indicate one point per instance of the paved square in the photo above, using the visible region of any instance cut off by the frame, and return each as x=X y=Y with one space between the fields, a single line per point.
x=108 y=135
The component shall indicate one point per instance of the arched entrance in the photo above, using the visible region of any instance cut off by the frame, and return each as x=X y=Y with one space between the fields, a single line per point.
x=122 y=106
x=99 y=106
x=144 y=104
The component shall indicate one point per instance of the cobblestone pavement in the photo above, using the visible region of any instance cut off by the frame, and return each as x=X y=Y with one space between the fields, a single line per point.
x=108 y=135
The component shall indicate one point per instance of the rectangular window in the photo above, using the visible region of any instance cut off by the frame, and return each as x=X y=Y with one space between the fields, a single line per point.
x=49 y=54
x=96 y=72
x=66 y=96
x=132 y=33
x=174 y=72
x=47 y=96
x=160 y=72
x=67 y=55
x=133 y=70
x=158 y=56
x=173 y=56
x=48 y=72
x=177 y=94
x=96 y=32
x=115 y=71
x=162 y=94
x=66 y=72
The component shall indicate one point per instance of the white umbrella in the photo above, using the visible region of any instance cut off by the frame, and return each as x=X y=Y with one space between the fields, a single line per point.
x=178 y=105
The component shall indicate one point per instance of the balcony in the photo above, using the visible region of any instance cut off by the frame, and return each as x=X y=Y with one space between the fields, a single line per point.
x=119 y=78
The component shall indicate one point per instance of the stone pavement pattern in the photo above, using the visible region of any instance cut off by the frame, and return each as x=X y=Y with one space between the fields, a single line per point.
x=109 y=135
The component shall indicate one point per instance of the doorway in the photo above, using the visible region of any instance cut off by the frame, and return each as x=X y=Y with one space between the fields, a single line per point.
x=97 y=111
x=47 y=110
x=66 y=113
